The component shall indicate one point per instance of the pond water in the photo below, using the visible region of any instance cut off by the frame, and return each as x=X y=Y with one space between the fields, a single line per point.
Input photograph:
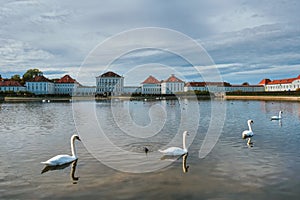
x=33 y=132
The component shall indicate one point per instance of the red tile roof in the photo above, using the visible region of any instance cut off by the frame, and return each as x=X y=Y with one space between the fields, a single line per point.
x=39 y=79
x=282 y=81
x=279 y=81
x=173 y=79
x=264 y=81
x=203 y=84
x=151 y=80
x=66 y=79
x=110 y=74
x=9 y=83
x=220 y=84
x=195 y=84
x=247 y=85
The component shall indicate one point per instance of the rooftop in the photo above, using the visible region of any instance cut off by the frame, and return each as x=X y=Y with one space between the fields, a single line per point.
x=10 y=83
x=173 y=79
x=151 y=80
x=110 y=74
x=220 y=84
x=278 y=81
x=264 y=81
x=66 y=79
x=40 y=79
x=195 y=84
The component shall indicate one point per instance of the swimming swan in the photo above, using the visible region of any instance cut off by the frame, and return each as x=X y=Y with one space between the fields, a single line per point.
x=248 y=133
x=176 y=151
x=64 y=159
x=277 y=117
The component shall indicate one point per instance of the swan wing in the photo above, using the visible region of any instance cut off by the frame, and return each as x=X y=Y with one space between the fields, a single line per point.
x=275 y=117
x=173 y=151
x=59 y=160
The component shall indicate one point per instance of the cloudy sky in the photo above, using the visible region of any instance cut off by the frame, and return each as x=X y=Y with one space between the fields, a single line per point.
x=246 y=40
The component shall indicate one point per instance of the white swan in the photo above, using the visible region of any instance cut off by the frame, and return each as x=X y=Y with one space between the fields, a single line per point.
x=64 y=159
x=176 y=151
x=277 y=117
x=248 y=133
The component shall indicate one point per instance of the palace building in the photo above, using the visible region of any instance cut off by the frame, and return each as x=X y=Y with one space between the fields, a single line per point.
x=109 y=84
x=289 y=84
x=10 y=85
x=172 y=85
x=66 y=85
x=151 y=86
x=40 y=85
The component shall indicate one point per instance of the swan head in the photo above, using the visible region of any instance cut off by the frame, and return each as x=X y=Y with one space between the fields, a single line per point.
x=250 y=121
x=76 y=137
x=185 y=133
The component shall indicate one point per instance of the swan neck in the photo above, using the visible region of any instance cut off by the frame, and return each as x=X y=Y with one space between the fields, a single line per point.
x=183 y=141
x=280 y=114
x=249 y=125
x=73 y=147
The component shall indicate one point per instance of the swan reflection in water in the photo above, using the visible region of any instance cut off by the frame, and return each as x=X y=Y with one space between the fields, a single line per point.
x=185 y=167
x=250 y=143
x=60 y=167
x=279 y=122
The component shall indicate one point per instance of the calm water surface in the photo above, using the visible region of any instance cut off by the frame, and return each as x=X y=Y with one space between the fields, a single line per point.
x=33 y=132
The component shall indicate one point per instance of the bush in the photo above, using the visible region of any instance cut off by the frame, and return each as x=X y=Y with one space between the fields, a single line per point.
x=16 y=94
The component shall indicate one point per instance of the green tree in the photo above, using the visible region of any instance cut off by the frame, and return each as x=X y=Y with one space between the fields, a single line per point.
x=16 y=77
x=31 y=73
x=0 y=77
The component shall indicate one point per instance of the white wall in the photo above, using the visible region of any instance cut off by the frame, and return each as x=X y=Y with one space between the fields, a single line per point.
x=85 y=91
x=40 y=87
x=151 y=89
x=114 y=85
x=12 y=88
x=172 y=87
x=65 y=88
x=284 y=87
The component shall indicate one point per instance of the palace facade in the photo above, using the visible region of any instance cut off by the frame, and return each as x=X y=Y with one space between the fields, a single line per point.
x=289 y=84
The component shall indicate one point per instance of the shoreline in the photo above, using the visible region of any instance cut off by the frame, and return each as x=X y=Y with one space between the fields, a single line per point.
x=153 y=98
x=35 y=99
x=262 y=98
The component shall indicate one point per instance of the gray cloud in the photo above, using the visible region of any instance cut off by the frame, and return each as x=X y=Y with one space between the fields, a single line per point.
x=244 y=38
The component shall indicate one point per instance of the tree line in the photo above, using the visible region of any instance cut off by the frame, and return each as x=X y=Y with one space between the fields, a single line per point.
x=29 y=74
